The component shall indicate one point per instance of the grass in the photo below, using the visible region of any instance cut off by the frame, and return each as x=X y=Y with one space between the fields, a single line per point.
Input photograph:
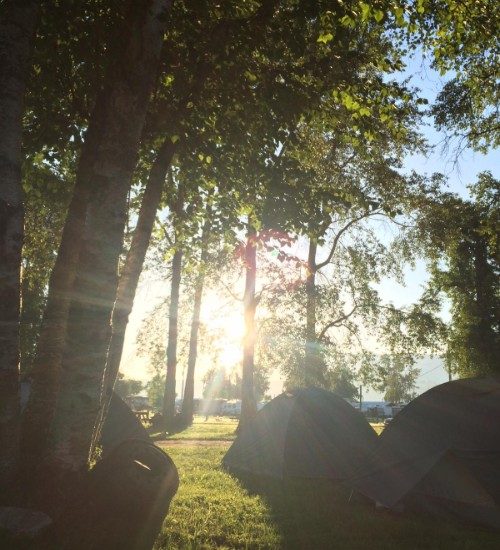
x=211 y=509
x=214 y=510
x=220 y=428
x=215 y=428
x=378 y=427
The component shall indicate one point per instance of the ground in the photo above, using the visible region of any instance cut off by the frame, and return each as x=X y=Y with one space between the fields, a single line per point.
x=214 y=510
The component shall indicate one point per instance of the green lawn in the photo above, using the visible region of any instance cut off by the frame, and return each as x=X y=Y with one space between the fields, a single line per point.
x=219 y=427
x=213 y=510
x=216 y=427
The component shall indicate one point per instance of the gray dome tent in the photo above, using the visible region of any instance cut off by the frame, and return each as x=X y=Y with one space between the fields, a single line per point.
x=310 y=433
x=442 y=454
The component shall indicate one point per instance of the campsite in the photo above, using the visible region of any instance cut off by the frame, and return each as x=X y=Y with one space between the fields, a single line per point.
x=249 y=274
x=213 y=510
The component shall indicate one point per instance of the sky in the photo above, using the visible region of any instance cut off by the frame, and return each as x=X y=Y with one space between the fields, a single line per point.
x=230 y=323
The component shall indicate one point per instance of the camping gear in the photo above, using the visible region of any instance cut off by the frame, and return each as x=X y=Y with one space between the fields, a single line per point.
x=442 y=454
x=310 y=433
x=123 y=500
x=120 y=424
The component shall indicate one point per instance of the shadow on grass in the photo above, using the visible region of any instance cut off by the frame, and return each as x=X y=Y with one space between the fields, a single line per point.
x=321 y=514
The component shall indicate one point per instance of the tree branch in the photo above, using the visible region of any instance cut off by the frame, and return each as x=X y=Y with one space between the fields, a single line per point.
x=231 y=293
x=342 y=318
x=335 y=243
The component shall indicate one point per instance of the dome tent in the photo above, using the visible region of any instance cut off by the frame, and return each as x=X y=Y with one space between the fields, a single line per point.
x=442 y=454
x=310 y=433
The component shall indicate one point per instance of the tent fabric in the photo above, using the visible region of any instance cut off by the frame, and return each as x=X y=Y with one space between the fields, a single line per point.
x=310 y=433
x=120 y=424
x=442 y=452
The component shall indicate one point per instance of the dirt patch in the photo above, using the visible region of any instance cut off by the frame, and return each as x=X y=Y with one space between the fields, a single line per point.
x=193 y=442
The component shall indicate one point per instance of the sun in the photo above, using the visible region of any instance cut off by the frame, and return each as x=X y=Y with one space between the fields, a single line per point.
x=224 y=319
x=230 y=356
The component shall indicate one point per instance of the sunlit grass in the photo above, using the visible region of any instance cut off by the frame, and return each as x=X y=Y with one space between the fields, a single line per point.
x=216 y=427
x=222 y=428
x=378 y=427
x=213 y=510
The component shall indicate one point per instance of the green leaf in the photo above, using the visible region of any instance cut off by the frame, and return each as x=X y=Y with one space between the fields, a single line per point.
x=325 y=38
x=250 y=76
x=347 y=21
x=398 y=12
x=174 y=139
x=365 y=11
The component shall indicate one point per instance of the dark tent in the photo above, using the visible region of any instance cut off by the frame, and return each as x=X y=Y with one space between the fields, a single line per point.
x=121 y=423
x=442 y=454
x=310 y=433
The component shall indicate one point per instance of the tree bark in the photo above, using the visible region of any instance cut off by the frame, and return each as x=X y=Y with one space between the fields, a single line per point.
x=17 y=25
x=105 y=169
x=483 y=345
x=188 y=401
x=129 y=277
x=131 y=272
x=46 y=371
x=248 y=403
x=169 y=395
x=311 y=346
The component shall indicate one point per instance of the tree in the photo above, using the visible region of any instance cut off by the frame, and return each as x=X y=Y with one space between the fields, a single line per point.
x=95 y=218
x=396 y=378
x=46 y=196
x=188 y=398
x=129 y=276
x=17 y=25
x=461 y=246
x=250 y=301
x=341 y=380
x=462 y=37
x=125 y=387
x=155 y=388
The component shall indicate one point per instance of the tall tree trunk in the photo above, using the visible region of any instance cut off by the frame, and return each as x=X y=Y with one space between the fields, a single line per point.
x=188 y=400
x=173 y=319
x=105 y=168
x=17 y=25
x=129 y=277
x=46 y=371
x=248 y=403
x=483 y=347
x=131 y=272
x=311 y=345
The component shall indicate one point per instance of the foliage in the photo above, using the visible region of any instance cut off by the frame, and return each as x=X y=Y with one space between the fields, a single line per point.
x=462 y=37
x=125 y=387
x=155 y=388
x=460 y=238
x=47 y=191
x=341 y=381
x=394 y=375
